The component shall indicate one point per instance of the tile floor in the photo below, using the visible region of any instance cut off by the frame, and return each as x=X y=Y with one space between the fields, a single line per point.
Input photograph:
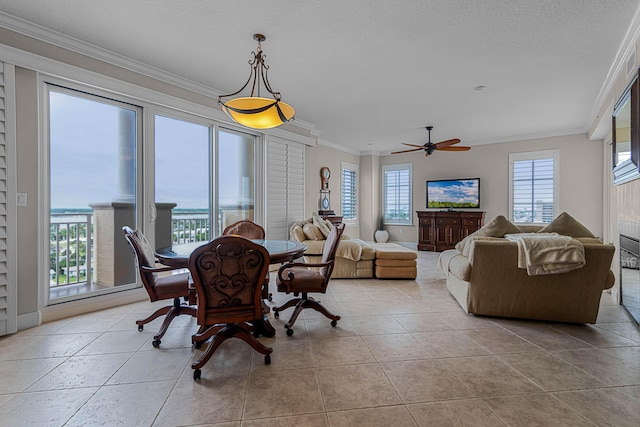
x=404 y=354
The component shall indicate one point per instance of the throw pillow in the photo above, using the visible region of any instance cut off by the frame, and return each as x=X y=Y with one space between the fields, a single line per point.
x=312 y=232
x=566 y=225
x=319 y=222
x=497 y=227
x=298 y=234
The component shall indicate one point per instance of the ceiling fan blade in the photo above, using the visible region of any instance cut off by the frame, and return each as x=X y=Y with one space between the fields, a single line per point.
x=407 y=151
x=413 y=145
x=446 y=143
x=454 y=148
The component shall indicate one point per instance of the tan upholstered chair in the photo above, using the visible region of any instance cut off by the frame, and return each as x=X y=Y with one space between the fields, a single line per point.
x=228 y=274
x=175 y=287
x=299 y=278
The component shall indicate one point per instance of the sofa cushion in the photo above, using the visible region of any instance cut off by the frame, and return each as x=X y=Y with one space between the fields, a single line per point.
x=321 y=224
x=312 y=232
x=297 y=234
x=460 y=267
x=396 y=262
x=497 y=227
x=467 y=246
x=566 y=225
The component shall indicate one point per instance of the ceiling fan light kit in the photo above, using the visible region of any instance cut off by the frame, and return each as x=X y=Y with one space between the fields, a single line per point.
x=430 y=147
x=254 y=111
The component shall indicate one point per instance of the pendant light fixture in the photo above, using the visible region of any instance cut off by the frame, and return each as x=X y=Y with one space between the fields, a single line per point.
x=254 y=111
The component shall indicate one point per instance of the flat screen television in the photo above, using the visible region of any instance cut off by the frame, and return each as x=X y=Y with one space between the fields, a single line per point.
x=453 y=193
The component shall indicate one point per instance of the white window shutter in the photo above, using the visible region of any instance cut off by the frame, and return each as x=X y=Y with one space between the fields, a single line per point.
x=285 y=186
x=8 y=290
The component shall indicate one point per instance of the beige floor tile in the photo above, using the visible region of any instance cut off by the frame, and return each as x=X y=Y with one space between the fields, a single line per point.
x=233 y=356
x=117 y=342
x=312 y=420
x=4 y=398
x=123 y=404
x=340 y=351
x=390 y=347
x=460 y=320
x=450 y=344
x=44 y=408
x=218 y=397
x=613 y=406
x=377 y=324
x=19 y=346
x=489 y=376
x=282 y=393
x=535 y=409
x=612 y=366
x=423 y=322
x=597 y=337
x=47 y=346
x=391 y=416
x=454 y=413
x=319 y=328
x=82 y=371
x=90 y=323
x=287 y=354
x=627 y=330
x=18 y=375
x=153 y=365
x=498 y=341
x=545 y=336
x=550 y=372
x=424 y=381
x=356 y=386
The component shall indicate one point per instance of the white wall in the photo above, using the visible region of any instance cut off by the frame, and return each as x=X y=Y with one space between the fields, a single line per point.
x=580 y=191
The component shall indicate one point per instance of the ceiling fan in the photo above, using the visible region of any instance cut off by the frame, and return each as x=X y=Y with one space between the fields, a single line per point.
x=430 y=147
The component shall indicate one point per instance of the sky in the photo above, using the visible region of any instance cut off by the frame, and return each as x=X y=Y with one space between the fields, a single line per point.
x=84 y=157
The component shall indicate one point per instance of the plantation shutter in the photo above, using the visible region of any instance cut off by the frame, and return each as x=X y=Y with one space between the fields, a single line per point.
x=8 y=291
x=285 y=186
x=533 y=183
x=349 y=193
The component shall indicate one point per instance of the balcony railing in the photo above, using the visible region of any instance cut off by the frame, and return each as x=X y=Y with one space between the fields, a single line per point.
x=191 y=227
x=70 y=249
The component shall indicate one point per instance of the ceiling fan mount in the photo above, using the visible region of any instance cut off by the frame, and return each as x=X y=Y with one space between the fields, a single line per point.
x=429 y=147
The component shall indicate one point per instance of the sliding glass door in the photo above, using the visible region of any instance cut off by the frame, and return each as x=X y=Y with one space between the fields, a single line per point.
x=93 y=192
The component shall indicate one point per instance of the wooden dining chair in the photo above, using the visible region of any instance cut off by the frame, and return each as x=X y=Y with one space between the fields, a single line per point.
x=175 y=286
x=228 y=274
x=302 y=278
x=250 y=230
x=245 y=228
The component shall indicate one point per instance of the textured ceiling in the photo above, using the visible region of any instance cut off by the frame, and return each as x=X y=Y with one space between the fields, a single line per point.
x=371 y=74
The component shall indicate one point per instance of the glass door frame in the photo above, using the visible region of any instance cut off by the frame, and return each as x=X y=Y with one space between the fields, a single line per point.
x=44 y=209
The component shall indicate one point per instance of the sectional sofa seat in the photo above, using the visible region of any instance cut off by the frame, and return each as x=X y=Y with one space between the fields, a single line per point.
x=355 y=258
x=484 y=276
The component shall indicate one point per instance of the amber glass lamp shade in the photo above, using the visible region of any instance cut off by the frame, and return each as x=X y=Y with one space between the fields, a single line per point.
x=258 y=113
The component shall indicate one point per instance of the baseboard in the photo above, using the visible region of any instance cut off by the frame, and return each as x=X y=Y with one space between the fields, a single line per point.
x=29 y=320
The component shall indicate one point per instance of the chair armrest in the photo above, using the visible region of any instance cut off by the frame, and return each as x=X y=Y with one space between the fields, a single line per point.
x=158 y=269
x=290 y=274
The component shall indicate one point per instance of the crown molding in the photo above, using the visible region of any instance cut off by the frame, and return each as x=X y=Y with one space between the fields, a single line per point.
x=618 y=67
x=338 y=147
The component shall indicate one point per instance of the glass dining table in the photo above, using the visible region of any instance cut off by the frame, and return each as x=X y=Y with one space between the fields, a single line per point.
x=280 y=251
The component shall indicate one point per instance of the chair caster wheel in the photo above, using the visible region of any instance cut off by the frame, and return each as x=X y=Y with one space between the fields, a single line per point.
x=334 y=323
x=197 y=344
x=140 y=328
x=289 y=332
x=267 y=359
x=196 y=374
x=276 y=314
x=270 y=298
x=256 y=333
x=156 y=343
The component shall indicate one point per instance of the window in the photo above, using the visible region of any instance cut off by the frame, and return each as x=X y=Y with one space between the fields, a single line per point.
x=349 y=192
x=533 y=186
x=396 y=197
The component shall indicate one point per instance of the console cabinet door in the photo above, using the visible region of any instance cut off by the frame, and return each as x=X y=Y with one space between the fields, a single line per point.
x=439 y=231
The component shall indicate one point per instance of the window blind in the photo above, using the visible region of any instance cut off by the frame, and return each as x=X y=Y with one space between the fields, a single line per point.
x=533 y=190
x=285 y=186
x=349 y=193
x=8 y=291
x=397 y=194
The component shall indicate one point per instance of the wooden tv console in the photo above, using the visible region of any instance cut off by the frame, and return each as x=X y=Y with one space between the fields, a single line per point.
x=441 y=230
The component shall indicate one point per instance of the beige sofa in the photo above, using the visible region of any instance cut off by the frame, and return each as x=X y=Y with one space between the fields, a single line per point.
x=484 y=277
x=356 y=258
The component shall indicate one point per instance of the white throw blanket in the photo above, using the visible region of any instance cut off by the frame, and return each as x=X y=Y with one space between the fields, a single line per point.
x=548 y=253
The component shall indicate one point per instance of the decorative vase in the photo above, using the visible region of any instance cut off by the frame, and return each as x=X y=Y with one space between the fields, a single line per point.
x=381 y=236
